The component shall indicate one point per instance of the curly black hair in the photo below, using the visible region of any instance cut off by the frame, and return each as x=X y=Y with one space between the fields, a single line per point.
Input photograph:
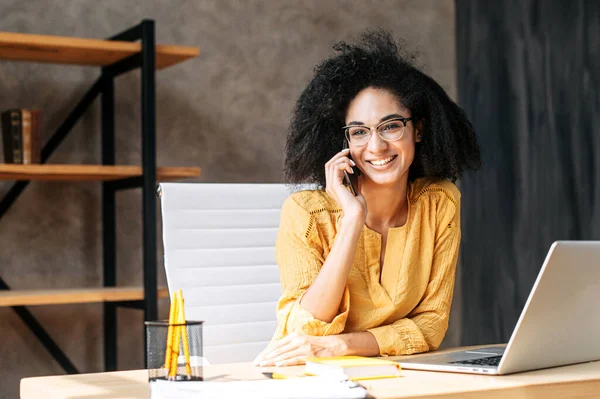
x=448 y=146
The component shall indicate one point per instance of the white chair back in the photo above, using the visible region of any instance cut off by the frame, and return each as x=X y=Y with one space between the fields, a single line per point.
x=219 y=248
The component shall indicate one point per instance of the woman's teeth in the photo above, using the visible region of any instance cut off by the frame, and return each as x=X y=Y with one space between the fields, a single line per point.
x=381 y=162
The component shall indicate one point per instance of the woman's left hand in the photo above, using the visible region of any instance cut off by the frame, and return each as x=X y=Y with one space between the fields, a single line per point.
x=295 y=348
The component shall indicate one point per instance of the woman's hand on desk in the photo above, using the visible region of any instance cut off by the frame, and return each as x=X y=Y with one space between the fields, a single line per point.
x=295 y=348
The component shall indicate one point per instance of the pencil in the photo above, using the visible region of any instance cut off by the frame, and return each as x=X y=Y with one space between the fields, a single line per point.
x=170 y=334
x=275 y=376
x=184 y=337
x=176 y=340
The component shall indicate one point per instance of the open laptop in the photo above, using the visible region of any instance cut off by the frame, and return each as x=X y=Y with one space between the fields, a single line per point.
x=559 y=325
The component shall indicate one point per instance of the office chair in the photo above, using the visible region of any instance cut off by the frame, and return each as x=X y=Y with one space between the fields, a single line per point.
x=219 y=248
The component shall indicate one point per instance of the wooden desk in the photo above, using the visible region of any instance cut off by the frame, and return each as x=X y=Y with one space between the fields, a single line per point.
x=576 y=381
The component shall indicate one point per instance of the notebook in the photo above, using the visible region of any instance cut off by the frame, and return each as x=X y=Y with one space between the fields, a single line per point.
x=353 y=367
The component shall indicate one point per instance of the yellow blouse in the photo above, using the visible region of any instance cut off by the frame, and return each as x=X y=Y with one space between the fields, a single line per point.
x=405 y=303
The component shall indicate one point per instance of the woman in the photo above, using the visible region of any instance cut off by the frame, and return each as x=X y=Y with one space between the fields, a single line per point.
x=371 y=274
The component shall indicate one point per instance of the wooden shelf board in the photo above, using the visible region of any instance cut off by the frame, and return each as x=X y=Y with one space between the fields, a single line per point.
x=89 y=172
x=82 y=51
x=79 y=295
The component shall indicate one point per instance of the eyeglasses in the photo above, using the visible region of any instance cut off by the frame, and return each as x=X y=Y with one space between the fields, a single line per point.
x=390 y=130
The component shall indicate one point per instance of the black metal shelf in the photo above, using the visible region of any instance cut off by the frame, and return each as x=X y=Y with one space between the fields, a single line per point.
x=145 y=59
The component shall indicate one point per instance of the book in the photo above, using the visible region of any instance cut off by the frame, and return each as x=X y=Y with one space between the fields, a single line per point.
x=11 y=136
x=26 y=135
x=21 y=136
x=17 y=139
x=353 y=367
x=36 y=140
x=7 y=136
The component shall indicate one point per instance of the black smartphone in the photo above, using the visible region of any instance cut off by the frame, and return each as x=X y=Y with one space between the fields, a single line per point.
x=351 y=180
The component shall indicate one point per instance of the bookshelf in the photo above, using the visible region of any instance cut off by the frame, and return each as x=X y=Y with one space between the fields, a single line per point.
x=77 y=295
x=81 y=51
x=88 y=172
x=134 y=48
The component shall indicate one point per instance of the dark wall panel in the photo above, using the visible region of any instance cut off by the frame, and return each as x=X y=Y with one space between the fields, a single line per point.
x=528 y=77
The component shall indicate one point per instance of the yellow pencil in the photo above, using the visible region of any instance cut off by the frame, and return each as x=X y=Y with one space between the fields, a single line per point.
x=275 y=376
x=170 y=334
x=176 y=340
x=186 y=344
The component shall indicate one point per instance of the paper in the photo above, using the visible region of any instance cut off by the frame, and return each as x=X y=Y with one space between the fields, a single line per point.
x=293 y=388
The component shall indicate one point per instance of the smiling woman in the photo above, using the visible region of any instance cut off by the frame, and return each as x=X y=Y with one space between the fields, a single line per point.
x=372 y=273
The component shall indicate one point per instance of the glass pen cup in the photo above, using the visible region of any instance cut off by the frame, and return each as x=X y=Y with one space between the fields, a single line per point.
x=174 y=351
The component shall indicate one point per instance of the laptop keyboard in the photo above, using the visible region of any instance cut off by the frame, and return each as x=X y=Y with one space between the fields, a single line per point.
x=484 y=361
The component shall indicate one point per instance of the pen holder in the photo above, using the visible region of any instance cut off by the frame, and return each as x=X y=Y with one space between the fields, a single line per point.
x=174 y=351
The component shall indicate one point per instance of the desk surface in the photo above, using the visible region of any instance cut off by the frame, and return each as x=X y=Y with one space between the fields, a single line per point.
x=576 y=381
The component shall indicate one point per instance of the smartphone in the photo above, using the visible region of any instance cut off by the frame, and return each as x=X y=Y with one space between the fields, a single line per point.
x=351 y=180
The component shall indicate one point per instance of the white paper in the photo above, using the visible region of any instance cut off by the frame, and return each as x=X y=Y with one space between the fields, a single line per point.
x=293 y=388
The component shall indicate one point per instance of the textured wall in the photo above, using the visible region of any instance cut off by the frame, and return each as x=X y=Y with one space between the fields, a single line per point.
x=226 y=111
x=528 y=74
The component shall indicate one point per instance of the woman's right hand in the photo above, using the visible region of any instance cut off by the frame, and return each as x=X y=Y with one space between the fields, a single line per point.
x=354 y=207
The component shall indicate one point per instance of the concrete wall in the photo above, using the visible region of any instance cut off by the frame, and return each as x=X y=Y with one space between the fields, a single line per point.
x=226 y=111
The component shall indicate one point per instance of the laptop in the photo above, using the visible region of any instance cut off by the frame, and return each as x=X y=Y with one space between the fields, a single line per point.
x=559 y=325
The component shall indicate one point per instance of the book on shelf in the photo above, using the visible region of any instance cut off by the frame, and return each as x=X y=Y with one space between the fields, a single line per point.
x=11 y=136
x=21 y=136
x=36 y=136
x=352 y=367
x=26 y=136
